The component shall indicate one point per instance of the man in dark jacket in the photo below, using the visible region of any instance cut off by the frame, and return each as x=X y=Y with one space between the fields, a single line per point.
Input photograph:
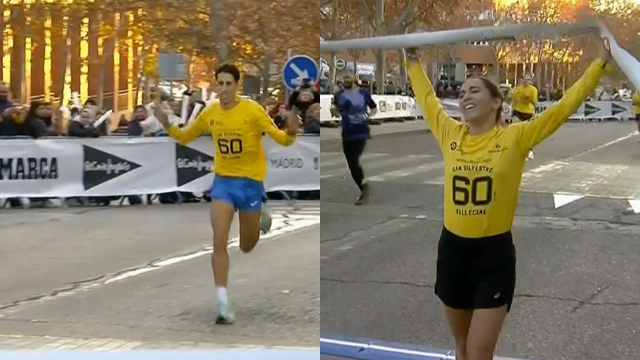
x=304 y=96
x=7 y=126
x=353 y=105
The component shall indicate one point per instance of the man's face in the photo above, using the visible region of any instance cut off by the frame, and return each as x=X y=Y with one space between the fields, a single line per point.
x=306 y=95
x=348 y=81
x=45 y=111
x=227 y=87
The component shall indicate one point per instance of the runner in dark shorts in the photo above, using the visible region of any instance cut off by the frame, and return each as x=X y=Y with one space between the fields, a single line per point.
x=515 y=114
x=521 y=116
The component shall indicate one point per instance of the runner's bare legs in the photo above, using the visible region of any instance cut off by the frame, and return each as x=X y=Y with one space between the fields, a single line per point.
x=222 y=214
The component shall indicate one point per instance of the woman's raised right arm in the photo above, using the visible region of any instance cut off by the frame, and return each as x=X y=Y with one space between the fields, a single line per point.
x=441 y=124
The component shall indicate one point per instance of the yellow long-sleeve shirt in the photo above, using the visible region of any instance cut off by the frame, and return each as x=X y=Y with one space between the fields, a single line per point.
x=237 y=137
x=524 y=99
x=483 y=172
x=636 y=103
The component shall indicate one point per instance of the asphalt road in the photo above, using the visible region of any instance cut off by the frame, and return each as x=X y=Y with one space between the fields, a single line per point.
x=142 y=275
x=578 y=292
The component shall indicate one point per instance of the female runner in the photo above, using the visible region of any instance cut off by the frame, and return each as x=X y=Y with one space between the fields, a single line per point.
x=476 y=266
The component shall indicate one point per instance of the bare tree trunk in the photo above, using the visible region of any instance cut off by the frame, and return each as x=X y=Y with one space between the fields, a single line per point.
x=332 y=72
x=265 y=75
x=402 y=70
x=65 y=58
x=100 y=94
x=219 y=28
x=110 y=46
x=19 y=42
x=380 y=54
x=2 y=28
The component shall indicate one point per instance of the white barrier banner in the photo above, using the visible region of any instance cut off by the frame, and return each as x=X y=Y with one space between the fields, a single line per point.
x=293 y=168
x=62 y=167
x=391 y=107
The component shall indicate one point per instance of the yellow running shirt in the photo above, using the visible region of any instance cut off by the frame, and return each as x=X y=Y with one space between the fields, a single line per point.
x=636 y=103
x=524 y=99
x=483 y=172
x=237 y=137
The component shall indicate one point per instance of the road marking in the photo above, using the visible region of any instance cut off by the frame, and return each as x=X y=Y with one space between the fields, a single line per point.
x=538 y=172
x=599 y=147
x=369 y=166
x=560 y=200
x=298 y=224
x=393 y=175
x=283 y=224
x=557 y=165
x=635 y=205
x=339 y=158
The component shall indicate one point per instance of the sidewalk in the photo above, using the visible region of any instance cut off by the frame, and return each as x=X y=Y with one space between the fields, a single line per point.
x=386 y=129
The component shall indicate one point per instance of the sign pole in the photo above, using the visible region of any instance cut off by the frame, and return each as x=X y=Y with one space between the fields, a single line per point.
x=286 y=88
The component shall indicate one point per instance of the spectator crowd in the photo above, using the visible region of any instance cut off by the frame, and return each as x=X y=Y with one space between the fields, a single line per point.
x=44 y=120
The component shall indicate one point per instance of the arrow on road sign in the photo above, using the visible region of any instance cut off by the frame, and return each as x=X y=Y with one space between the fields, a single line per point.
x=302 y=74
x=297 y=69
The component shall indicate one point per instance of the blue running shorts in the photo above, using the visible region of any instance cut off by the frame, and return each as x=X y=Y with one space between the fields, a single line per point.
x=244 y=194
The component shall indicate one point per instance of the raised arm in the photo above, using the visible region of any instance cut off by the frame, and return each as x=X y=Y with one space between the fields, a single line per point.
x=440 y=123
x=191 y=132
x=282 y=137
x=533 y=132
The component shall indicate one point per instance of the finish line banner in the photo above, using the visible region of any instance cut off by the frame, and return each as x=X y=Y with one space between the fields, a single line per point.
x=118 y=166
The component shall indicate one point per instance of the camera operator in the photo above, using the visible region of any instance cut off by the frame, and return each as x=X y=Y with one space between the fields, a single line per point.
x=305 y=95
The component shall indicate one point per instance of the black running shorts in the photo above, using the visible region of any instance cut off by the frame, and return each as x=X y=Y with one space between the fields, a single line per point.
x=476 y=273
x=638 y=117
x=521 y=116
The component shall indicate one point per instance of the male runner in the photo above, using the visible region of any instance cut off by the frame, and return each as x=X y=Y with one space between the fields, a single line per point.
x=636 y=108
x=236 y=126
x=524 y=99
x=523 y=103
x=354 y=105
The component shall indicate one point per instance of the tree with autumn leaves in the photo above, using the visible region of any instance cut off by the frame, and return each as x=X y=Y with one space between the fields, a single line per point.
x=256 y=34
x=564 y=57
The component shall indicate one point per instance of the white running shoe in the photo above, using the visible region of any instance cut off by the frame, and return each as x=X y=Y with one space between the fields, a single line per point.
x=265 y=221
x=225 y=316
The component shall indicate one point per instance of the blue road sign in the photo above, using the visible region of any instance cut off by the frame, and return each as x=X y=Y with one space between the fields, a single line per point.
x=298 y=68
